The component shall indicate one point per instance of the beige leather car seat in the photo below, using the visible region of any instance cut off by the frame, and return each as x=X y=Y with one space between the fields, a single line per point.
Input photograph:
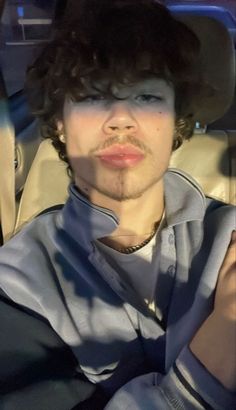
x=7 y=168
x=208 y=156
x=211 y=160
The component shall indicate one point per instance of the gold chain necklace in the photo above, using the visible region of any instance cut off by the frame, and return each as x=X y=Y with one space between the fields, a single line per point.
x=134 y=248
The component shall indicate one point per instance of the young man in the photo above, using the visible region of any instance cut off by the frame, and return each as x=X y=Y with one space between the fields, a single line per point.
x=119 y=286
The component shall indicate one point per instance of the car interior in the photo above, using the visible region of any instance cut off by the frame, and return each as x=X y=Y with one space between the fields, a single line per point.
x=33 y=179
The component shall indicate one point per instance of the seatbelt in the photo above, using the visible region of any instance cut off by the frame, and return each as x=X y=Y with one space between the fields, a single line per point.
x=7 y=167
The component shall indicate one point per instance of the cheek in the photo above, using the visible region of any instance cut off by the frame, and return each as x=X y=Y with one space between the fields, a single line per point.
x=162 y=137
x=78 y=136
x=168 y=130
x=159 y=125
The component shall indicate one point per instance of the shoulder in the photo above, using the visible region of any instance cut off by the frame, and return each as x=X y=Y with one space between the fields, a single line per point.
x=33 y=237
x=26 y=259
x=221 y=214
x=189 y=195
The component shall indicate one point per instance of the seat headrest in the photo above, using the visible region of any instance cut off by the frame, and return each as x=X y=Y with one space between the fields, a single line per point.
x=217 y=60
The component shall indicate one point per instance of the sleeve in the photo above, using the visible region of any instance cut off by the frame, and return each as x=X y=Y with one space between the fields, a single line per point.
x=188 y=385
x=37 y=369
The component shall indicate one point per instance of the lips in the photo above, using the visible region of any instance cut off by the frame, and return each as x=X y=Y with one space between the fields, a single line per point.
x=117 y=149
x=121 y=156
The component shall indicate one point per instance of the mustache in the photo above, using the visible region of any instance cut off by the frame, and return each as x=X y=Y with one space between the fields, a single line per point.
x=122 y=140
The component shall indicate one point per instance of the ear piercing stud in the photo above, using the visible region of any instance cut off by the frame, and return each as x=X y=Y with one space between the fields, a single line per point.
x=62 y=138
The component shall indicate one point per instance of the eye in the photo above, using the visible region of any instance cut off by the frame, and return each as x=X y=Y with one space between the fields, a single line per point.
x=148 y=98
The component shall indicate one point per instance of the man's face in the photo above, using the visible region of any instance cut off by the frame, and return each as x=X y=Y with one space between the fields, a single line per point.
x=120 y=146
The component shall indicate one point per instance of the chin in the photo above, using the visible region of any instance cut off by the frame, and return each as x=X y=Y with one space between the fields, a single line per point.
x=122 y=197
x=120 y=188
x=123 y=192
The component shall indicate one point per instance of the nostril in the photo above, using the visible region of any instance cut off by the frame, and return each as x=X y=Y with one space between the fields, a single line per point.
x=128 y=127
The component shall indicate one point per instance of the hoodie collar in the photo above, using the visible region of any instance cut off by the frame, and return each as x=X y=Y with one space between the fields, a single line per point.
x=86 y=222
x=184 y=198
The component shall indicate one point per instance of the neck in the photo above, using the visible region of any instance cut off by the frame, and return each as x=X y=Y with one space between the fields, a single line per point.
x=137 y=217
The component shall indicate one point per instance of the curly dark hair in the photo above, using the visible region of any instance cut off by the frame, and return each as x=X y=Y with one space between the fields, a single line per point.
x=122 y=41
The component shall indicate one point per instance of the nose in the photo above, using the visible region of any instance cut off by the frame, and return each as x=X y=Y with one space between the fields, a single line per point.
x=120 y=119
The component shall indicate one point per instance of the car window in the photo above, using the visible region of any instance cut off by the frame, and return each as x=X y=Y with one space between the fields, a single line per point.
x=25 y=27
x=222 y=10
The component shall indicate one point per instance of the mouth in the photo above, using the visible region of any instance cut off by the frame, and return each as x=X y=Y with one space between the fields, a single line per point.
x=120 y=156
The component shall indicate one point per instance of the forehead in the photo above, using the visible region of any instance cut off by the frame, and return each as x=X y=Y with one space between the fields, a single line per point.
x=127 y=86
